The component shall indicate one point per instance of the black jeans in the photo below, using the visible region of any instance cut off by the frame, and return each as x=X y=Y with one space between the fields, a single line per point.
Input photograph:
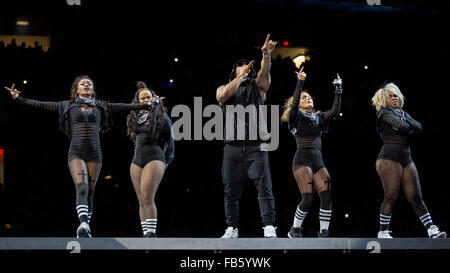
x=242 y=162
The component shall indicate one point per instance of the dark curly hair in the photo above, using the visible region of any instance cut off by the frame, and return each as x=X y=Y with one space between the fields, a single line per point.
x=74 y=87
x=156 y=115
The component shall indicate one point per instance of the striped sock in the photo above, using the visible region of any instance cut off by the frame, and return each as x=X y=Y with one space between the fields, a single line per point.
x=144 y=227
x=384 y=221
x=299 y=216
x=151 y=225
x=426 y=219
x=82 y=211
x=324 y=217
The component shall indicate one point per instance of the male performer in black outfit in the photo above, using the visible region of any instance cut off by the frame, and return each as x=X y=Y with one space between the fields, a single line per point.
x=243 y=158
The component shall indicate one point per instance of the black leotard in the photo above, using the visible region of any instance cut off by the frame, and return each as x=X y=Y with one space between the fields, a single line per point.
x=307 y=127
x=395 y=127
x=147 y=148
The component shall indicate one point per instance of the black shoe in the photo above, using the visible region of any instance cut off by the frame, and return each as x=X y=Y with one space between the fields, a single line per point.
x=324 y=233
x=295 y=232
x=150 y=235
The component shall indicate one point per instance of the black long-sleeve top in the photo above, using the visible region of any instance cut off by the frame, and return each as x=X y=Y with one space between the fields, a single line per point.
x=307 y=127
x=395 y=126
x=82 y=126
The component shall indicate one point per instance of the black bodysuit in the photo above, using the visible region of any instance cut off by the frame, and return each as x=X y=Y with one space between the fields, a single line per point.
x=395 y=127
x=83 y=127
x=307 y=127
x=147 y=148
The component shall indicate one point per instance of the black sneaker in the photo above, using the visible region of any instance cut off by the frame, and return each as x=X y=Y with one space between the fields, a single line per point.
x=150 y=235
x=295 y=232
x=324 y=233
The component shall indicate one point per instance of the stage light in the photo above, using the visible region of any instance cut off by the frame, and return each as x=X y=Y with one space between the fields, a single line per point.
x=366 y=67
x=25 y=81
x=108 y=177
x=340 y=114
x=175 y=60
x=171 y=80
x=346 y=215
x=285 y=43
x=22 y=23
x=299 y=60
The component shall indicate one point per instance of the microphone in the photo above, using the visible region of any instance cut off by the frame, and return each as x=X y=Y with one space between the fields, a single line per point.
x=249 y=66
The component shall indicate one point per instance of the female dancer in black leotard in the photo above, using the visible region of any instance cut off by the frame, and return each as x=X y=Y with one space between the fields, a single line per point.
x=394 y=163
x=150 y=130
x=308 y=167
x=82 y=118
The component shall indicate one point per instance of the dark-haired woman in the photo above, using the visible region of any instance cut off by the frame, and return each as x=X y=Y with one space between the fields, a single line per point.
x=150 y=130
x=308 y=167
x=82 y=118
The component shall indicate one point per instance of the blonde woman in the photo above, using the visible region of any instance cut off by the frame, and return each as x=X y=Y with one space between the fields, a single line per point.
x=308 y=168
x=394 y=163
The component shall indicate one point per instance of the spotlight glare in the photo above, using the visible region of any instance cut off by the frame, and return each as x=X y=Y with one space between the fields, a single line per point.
x=175 y=60
x=171 y=80
x=366 y=67
x=299 y=60
x=22 y=23
x=346 y=215
x=25 y=81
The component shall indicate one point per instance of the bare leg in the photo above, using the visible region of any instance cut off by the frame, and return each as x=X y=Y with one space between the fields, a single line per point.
x=151 y=176
x=135 y=173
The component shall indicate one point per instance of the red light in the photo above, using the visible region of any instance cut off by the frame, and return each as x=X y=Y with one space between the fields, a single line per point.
x=1 y=151
x=285 y=43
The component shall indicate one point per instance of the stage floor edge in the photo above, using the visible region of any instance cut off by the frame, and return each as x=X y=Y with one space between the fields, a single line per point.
x=217 y=244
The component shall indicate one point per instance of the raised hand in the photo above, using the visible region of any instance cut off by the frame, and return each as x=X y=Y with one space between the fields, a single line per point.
x=338 y=80
x=243 y=73
x=301 y=75
x=268 y=46
x=338 y=84
x=14 y=92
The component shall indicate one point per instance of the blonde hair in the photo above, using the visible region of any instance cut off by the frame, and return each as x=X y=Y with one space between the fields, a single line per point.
x=286 y=108
x=379 y=100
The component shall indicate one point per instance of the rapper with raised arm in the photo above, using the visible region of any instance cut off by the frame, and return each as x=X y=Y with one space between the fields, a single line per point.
x=150 y=130
x=82 y=118
x=243 y=158
x=394 y=164
x=308 y=167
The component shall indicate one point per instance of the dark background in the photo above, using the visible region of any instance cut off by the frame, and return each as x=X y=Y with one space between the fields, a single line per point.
x=118 y=43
